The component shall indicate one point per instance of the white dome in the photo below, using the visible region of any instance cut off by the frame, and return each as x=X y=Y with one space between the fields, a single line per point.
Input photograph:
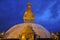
x=17 y=29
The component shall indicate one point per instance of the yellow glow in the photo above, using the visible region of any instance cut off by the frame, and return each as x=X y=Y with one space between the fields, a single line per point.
x=23 y=37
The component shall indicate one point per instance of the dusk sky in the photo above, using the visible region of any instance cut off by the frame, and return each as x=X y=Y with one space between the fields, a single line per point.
x=46 y=12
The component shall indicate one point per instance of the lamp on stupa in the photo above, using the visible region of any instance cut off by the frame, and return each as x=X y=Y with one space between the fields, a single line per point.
x=28 y=15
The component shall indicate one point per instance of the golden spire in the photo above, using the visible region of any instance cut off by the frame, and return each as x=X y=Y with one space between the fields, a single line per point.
x=28 y=15
x=29 y=5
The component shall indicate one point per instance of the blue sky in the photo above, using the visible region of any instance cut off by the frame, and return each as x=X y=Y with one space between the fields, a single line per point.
x=46 y=12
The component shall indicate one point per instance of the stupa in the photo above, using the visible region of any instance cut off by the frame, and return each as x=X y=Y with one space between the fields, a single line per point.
x=28 y=29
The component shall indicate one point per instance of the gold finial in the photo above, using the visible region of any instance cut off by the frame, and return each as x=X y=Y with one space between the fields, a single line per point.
x=29 y=5
x=28 y=15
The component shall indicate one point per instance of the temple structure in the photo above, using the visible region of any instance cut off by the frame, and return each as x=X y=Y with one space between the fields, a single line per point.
x=27 y=30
